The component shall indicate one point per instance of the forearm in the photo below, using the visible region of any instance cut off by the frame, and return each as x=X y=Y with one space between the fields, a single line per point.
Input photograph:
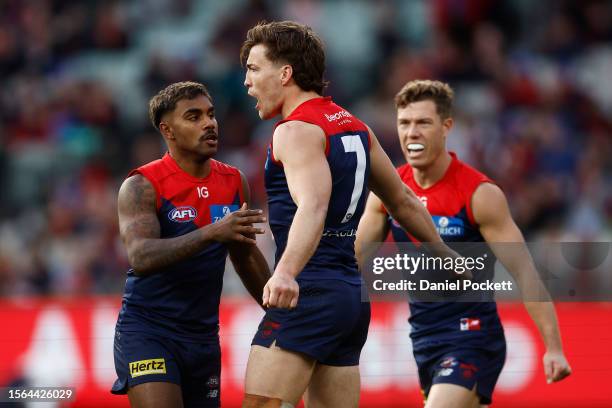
x=414 y=218
x=545 y=317
x=516 y=259
x=147 y=256
x=371 y=233
x=365 y=252
x=252 y=268
x=303 y=240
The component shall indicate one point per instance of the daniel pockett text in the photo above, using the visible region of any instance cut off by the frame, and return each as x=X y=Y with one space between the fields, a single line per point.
x=424 y=284
x=407 y=264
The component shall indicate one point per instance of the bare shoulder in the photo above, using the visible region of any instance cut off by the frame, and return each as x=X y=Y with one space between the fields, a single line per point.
x=136 y=193
x=297 y=128
x=488 y=203
x=488 y=193
x=137 y=209
x=296 y=137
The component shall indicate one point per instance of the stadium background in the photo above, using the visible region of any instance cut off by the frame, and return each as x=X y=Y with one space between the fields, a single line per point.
x=533 y=111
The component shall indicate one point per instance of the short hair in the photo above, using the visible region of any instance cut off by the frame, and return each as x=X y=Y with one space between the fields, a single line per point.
x=166 y=99
x=440 y=93
x=294 y=43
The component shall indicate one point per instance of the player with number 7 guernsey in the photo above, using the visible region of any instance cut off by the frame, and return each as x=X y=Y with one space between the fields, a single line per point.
x=319 y=164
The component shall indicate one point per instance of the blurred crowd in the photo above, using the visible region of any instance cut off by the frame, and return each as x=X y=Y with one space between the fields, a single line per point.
x=533 y=109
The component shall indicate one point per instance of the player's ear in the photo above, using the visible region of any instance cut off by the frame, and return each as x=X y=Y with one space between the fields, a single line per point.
x=286 y=74
x=166 y=131
x=447 y=124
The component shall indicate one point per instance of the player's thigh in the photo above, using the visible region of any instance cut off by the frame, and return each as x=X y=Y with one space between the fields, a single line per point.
x=276 y=373
x=452 y=396
x=155 y=395
x=332 y=386
x=201 y=382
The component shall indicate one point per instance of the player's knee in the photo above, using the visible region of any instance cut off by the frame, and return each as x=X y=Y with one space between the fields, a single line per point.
x=259 y=401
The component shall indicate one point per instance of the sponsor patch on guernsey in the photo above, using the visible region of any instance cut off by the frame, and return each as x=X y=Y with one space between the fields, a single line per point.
x=145 y=367
x=217 y=212
x=449 y=226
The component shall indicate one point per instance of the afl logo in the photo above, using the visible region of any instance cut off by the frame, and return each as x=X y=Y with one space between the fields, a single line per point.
x=183 y=214
x=443 y=222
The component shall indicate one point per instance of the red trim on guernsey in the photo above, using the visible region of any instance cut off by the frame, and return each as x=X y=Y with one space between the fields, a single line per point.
x=312 y=111
x=157 y=171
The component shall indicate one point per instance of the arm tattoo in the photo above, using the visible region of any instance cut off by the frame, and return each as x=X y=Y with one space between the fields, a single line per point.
x=140 y=230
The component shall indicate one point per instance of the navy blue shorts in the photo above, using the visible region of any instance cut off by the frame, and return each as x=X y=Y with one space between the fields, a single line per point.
x=329 y=324
x=143 y=357
x=464 y=363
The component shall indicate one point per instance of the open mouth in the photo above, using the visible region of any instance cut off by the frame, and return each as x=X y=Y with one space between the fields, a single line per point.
x=415 y=148
x=256 y=98
x=210 y=138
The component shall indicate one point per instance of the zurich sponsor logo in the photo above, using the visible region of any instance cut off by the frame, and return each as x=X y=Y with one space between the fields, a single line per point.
x=443 y=222
x=449 y=226
x=183 y=214
x=218 y=211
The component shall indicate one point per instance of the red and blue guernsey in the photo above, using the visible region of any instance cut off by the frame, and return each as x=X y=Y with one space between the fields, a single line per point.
x=348 y=154
x=449 y=203
x=182 y=300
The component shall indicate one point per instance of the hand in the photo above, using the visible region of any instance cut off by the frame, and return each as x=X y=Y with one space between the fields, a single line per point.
x=238 y=226
x=556 y=366
x=281 y=291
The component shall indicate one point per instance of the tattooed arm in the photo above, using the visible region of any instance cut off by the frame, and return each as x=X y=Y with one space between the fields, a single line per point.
x=140 y=229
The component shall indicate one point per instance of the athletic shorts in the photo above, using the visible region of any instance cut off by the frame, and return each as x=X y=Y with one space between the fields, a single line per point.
x=329 y=324
x=465 y=364
x=142 y=357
